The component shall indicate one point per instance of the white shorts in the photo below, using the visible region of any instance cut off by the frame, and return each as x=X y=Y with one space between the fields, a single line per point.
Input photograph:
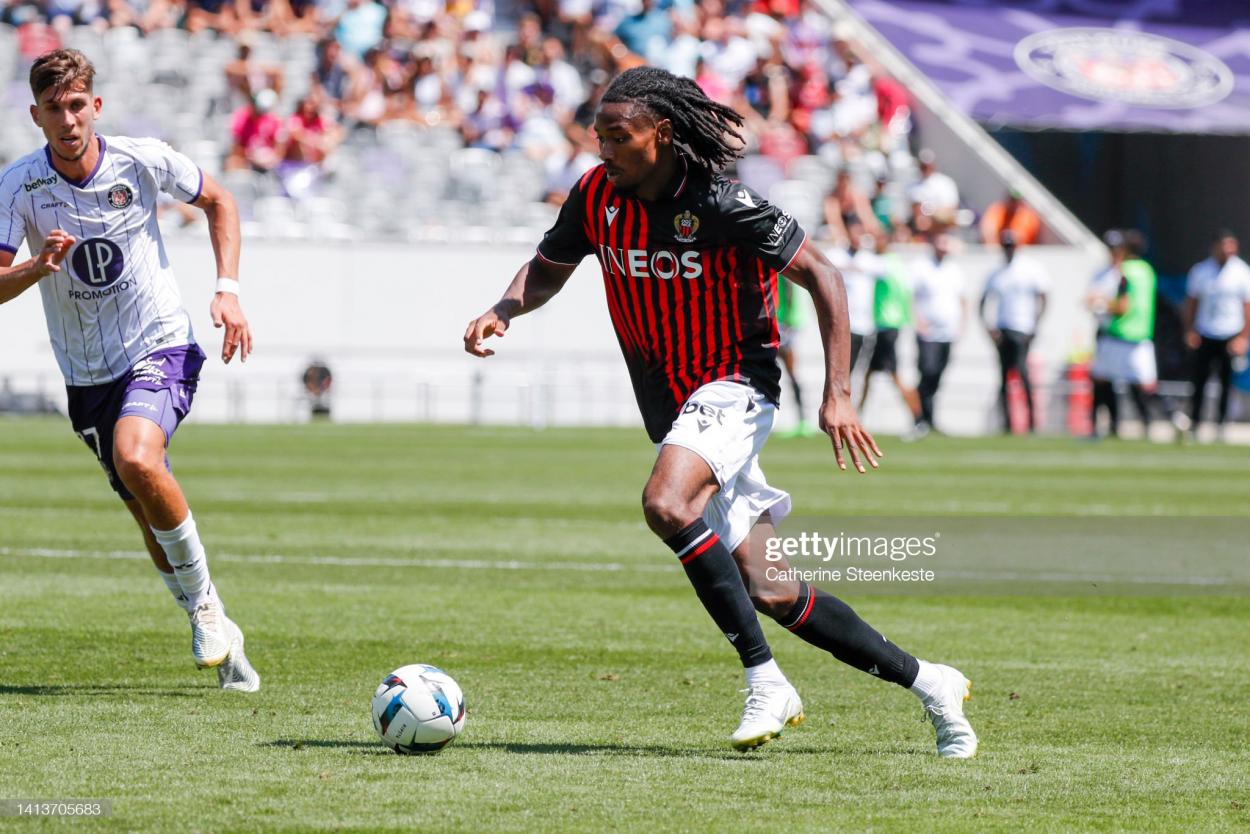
x=726 y=424
x=1118 y=361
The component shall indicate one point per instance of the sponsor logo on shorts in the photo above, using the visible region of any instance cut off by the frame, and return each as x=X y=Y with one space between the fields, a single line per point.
x=705 y=414
x=42 y=182
x=149 y=370
x=139 y=404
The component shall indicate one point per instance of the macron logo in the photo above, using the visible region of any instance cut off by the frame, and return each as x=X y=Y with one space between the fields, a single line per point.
x=611 y=211
x=745 y=198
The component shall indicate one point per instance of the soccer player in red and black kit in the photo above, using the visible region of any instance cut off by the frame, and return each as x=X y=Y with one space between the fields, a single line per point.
x=690 y=264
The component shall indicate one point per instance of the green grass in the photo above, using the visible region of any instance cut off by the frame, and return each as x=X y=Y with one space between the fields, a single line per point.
x=599 y=699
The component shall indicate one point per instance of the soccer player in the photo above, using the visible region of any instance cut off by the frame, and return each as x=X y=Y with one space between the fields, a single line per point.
x=86 y=206
x=1019 y=287
x=1217 y=322
x=690 y=264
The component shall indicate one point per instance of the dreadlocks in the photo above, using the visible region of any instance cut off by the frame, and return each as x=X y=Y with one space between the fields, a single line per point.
x=703 y=126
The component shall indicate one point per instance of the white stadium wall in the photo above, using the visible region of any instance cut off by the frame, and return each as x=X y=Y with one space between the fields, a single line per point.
x=389 y=321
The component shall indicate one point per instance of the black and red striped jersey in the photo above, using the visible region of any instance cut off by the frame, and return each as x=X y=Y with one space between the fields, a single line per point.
x=691 y=281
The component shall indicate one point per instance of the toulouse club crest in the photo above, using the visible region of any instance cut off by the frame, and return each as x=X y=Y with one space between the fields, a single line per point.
x=121 y=196
x=1124 y=66
x=686 y=224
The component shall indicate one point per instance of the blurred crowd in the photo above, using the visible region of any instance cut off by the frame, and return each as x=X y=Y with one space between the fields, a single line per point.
x=526 y=77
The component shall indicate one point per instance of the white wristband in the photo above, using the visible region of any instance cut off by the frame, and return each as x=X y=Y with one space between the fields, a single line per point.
x=228 y=285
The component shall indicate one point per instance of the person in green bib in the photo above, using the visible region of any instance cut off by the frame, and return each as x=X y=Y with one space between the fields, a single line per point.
x=1123 y=299
x=791 y=316
x=891 y=309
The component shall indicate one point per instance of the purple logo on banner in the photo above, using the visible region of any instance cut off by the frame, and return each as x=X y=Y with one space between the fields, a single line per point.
x=1130 y=67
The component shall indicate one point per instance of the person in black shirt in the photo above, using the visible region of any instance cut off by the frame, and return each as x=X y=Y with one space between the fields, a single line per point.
x=690 y=263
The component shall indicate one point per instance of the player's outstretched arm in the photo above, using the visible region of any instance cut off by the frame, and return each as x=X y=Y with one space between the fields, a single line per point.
x=534 y=285
x=811 y=270
x=15 y=280
x=223 y=231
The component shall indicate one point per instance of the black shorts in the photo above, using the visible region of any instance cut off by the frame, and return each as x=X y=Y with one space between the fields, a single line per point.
x=883 y=356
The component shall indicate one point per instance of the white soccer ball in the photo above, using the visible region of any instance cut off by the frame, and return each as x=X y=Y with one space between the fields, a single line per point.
x=418 y=709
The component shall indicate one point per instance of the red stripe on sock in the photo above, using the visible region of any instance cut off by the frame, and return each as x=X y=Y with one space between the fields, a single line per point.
x=708 y=542
x=807 y=611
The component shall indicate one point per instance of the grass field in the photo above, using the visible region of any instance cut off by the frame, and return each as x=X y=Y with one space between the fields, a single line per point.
x=600 y=696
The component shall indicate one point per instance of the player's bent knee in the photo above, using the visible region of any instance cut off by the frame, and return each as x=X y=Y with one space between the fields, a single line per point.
x=667 y=514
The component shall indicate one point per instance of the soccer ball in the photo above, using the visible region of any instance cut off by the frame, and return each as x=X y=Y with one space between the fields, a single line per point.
x=418 y=709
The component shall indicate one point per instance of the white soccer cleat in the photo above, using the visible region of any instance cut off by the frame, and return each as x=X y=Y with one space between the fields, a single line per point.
x=945 y=710
x=768 y=711
x=210 y=640
x=235 y=673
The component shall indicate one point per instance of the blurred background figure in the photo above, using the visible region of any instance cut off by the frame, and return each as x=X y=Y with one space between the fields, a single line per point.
x=846 y=205
x=1217 y=321
x=1012 y=213
x=317 y=381
x=934 y=198
x=891 y=311
x=791 y=316
x=940 y=316
x=255 y=130
x=1017 y=289
x=859 y=266
x=1122 y=299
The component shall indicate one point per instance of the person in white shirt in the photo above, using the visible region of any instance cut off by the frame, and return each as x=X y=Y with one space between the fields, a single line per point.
x=860 y=266
x=1217 y=321
x=940 y=311
x=935 y=195
x=1018 y=288
x=85 y=205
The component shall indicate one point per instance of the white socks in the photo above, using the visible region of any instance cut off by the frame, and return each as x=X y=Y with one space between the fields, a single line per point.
x=186 y=556
x=927 y=679
x=766 y=674
x=171 y=582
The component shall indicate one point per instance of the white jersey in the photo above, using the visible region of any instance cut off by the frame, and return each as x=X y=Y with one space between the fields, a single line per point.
x=115 y=299
x=1016 y=287
x=937 y=295
x=1222 y=293
x=859 y=274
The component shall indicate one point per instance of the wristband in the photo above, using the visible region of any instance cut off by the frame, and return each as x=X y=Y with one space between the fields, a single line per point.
x=228 y=285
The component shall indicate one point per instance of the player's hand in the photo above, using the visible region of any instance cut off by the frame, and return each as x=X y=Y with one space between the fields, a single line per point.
x=227 y=313
x=1192 y=340
x=839 y=420
x=1237 y=346
x=54 y=250
x=481 y=328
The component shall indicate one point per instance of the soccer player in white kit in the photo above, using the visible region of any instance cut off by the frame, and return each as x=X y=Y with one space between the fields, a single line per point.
x=86 y=206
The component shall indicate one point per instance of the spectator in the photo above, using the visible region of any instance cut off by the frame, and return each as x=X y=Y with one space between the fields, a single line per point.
x=359 y=28
x=934 y=197
x=1018 y=288
x=255 y=130
x=1013 y=213
x=646 y=31
x=310 y=138
x=245 y=77
x=1217 y=322
x=846 y=205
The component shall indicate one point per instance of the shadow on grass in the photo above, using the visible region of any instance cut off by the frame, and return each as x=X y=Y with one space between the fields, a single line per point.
x=62 y=689
x=553 y=749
